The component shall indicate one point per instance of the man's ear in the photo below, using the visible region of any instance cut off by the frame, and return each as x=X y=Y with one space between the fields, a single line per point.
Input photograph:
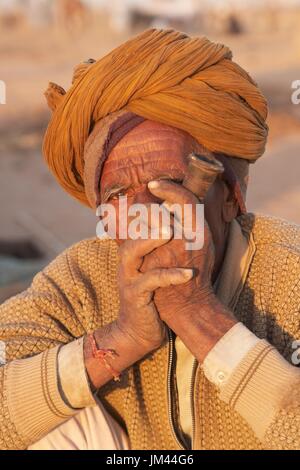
x=230 y=207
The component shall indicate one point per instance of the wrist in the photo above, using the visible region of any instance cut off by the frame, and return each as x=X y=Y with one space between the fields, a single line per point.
x=202 y=324
x=125 y=353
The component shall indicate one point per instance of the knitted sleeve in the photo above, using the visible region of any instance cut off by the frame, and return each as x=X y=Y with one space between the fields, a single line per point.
x=33 y=325
x=265 y=391
x=265 y=387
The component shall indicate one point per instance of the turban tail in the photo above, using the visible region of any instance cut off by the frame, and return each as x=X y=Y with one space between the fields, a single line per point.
x=164 y=76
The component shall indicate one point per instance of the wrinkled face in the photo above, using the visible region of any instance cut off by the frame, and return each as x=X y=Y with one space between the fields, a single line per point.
x=153 y=151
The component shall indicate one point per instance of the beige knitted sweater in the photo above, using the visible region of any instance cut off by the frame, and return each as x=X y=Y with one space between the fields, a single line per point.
x=258 y=408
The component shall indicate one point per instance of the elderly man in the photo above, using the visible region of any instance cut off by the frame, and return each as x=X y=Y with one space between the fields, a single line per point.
x=141 y=343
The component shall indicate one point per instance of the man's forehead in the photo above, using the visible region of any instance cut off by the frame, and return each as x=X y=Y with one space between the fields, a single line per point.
x=136 y=174
x=150 y=148
x=149 y=139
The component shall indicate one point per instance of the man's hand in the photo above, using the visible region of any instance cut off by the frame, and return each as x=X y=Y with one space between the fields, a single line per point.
x=138 y=317
x=191 y=310
x=138 y=329
x=171 y=300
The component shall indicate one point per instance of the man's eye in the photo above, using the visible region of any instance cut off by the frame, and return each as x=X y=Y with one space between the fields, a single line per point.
x=118 y=195
x=178 y=180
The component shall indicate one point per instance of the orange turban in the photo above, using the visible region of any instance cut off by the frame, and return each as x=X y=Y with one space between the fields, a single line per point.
x=164 y=76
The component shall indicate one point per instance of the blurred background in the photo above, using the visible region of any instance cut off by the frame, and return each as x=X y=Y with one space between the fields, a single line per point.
x=42 y=40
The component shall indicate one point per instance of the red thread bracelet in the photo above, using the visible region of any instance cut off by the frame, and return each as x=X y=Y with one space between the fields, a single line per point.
x=102 y=354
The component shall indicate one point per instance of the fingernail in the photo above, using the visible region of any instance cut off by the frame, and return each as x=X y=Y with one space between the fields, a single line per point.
x=188 y=273
x=153 y=184
x=168 y=206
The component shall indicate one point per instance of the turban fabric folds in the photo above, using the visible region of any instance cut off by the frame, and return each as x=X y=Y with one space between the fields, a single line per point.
x=164 y=76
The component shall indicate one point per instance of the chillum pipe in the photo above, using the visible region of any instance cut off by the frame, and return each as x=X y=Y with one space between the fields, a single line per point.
x=201 y=174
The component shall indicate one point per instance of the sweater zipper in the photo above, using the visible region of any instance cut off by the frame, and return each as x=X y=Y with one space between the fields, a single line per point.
x=171 y=422
x=195 y=363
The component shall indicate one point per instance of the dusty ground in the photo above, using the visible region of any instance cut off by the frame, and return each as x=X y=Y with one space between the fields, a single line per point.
x=32 y=204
